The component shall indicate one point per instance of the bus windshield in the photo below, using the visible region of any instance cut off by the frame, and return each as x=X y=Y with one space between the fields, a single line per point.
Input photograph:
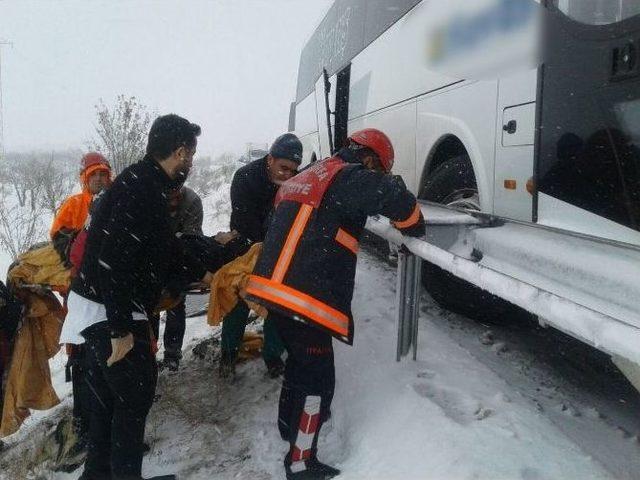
x=599 y=12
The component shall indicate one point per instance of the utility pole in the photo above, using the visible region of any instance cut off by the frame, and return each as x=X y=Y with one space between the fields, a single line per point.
x=2 y=44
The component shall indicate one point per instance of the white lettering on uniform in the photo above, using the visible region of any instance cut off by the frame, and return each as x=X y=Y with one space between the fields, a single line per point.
x=297 y=188
x=322 y=173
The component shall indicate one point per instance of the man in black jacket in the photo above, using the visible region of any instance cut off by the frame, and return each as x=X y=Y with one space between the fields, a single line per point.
x=253 y=190
x=305 y=277
x=131 y=254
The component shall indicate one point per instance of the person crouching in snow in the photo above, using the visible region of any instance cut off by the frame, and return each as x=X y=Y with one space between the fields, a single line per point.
x=253 y=190
x=305 y=277
x=131 y=254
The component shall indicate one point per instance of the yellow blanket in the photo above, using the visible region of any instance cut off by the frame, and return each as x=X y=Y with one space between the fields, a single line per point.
x=41 y=266
x=28 y=384
x=229 y=284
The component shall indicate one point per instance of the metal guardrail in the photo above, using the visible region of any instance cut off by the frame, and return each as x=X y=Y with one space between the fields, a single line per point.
x=614 y=335
x=408 y=303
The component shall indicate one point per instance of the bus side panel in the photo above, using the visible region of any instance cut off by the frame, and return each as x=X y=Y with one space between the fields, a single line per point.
x=467 y=112
x=399 y=123
x=515 y=130
x=393 y=68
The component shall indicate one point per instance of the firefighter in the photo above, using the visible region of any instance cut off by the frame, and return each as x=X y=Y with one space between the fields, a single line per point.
x=305 y=277
x=253 y=190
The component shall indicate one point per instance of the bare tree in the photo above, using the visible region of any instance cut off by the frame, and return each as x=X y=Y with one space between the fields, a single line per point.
x=207 y=175
x=30 y=184
x=20 y=225
x=121 y=131
x=20 y=172
x=39 y=179
x=55 y=185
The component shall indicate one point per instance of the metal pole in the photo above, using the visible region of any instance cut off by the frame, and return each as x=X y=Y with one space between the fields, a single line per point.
x=408 y=303
x=417 y=276
x=400 y=304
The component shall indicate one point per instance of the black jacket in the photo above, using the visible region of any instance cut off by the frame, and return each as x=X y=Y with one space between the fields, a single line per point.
x=252 y=195
x=188 y=216
x=10 y=313
x=308 y=261
x=131 y=252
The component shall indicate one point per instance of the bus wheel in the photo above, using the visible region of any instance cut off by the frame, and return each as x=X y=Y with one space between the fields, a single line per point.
x=453 y=183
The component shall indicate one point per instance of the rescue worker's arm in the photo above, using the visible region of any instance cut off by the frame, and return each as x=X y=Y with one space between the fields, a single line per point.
x=377 y=194
x=245 y=218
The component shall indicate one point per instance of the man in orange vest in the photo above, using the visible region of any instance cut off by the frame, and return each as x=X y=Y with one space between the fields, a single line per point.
x=305 y=277
x=95 y=176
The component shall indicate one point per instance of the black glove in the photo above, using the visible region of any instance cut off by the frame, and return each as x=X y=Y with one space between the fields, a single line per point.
x=62 y=242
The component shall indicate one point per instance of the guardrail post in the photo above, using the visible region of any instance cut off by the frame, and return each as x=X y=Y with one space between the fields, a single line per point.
x=408 y=303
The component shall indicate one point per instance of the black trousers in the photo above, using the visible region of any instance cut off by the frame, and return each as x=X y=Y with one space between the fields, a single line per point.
x=309 y=378
x=174 y=329
x=81 y=391
x=122 y=396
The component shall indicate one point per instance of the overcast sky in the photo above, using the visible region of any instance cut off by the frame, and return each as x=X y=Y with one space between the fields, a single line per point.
x=229 y=65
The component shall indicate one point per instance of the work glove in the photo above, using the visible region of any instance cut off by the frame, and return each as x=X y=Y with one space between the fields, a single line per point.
x=120 y=346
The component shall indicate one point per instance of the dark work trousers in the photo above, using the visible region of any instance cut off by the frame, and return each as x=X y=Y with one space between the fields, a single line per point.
x=174 y=329
x=81 y=392
x=233 y=327
x=309 y=373
x=122 y=397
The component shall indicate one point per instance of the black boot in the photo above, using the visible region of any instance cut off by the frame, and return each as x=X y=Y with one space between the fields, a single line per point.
x=227 y=368
x=170 y=363
x=95 y=476
x=314 y=470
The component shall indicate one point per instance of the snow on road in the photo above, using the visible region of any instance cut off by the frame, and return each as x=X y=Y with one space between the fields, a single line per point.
x=464 y=410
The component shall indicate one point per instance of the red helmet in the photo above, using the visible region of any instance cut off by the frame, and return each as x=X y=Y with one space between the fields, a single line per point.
x=93 y=158
x=378 y=142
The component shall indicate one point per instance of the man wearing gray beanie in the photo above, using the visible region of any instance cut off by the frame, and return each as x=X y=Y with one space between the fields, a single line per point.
x=253 y=190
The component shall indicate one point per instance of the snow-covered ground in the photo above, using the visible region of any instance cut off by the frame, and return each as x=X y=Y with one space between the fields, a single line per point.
x=500 y=402
x=474 y=406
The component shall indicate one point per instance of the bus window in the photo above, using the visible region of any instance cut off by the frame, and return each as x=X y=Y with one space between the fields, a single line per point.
x=598 y=12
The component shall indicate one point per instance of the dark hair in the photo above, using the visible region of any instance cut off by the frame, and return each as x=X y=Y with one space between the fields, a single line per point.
x=170 y=132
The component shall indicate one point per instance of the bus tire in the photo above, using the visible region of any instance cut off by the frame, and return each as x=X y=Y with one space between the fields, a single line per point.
x=454 y=183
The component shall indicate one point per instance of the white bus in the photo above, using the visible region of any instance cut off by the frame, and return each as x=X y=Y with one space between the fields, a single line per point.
x=553 y=150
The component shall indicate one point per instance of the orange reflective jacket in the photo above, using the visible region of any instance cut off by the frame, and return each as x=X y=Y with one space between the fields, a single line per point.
x=73 y=213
